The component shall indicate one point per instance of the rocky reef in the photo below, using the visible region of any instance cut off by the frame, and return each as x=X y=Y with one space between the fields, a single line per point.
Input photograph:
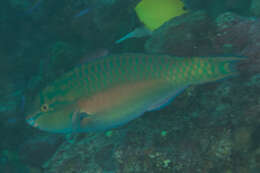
x=212 y=127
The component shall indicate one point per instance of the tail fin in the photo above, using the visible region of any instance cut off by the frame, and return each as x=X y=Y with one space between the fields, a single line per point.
x=136 y=33
x=216 y=68
x=228 y=66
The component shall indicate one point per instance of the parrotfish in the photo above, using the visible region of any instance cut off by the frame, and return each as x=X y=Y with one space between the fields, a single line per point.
x=113 y=90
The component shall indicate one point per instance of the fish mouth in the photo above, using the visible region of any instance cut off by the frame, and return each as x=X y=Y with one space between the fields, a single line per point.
x=31 y=120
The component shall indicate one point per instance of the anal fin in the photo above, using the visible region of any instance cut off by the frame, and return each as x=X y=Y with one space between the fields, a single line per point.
x=164 y=101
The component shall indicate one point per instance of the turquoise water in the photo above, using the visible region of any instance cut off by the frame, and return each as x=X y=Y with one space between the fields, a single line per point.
x=212 y=128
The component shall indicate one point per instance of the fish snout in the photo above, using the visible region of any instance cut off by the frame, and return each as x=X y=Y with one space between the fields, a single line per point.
x=31 y=120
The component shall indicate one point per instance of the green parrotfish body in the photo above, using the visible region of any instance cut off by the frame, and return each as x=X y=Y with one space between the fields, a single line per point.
x=116 y=89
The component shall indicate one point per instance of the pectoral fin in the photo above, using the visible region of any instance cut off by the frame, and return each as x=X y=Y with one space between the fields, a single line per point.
x=77 y=119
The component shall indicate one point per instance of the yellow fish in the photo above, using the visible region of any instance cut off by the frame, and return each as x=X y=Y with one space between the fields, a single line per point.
x=153 y=13
x=116 y=89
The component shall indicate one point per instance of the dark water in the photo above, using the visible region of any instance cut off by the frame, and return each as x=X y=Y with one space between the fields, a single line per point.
x=209 y=128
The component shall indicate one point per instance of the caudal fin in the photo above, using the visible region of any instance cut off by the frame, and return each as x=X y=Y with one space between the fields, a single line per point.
x=216 y=68
x=227 y=66
x=231 y=65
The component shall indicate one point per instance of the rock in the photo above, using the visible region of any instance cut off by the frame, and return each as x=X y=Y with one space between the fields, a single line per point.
x=216 y=7
x=186 y=35
x=195 y=35
x=38 y=150
x=232 y=34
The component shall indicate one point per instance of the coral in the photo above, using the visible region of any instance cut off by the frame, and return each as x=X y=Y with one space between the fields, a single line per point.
x=223 y=149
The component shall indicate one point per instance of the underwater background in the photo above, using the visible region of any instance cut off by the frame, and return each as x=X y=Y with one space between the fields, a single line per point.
x=208 y=128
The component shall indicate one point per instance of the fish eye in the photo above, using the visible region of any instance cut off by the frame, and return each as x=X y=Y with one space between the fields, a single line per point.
x=44 y=108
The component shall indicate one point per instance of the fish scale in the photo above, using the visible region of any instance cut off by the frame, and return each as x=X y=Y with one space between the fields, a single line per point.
x=118 y=69
x=116 y=89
